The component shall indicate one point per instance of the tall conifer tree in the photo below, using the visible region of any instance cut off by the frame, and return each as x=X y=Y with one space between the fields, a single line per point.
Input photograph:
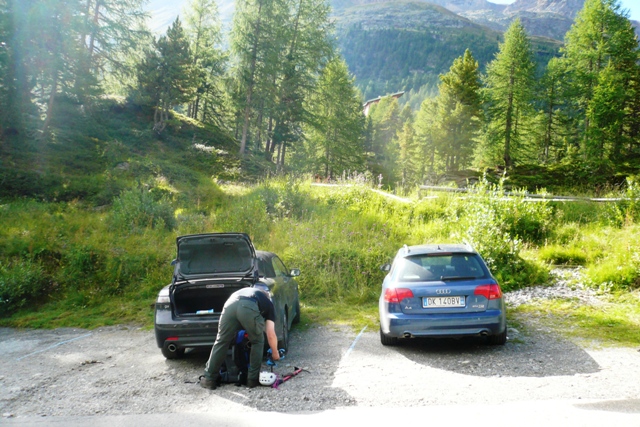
x=459 y=112
x=509 y=86
x=335 y=134
x=167 y=76
x=601 y=54
x=203 y=28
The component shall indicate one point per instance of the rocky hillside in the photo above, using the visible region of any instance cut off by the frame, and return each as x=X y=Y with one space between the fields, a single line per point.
x=543 y=18
x=568 y=8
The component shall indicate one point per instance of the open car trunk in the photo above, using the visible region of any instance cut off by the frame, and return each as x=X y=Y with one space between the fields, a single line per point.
x=203 y=300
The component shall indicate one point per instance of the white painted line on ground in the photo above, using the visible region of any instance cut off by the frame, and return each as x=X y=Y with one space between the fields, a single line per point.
x=353 y=344
x=53 y=346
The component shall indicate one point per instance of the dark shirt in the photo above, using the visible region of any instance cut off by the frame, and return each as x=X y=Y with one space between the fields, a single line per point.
x=267 y=310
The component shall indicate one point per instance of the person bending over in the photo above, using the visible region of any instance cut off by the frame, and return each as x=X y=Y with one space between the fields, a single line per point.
x=250 y=309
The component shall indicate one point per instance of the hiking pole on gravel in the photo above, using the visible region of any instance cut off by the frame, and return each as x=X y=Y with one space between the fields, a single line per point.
x=274 y=380
x=288 y=376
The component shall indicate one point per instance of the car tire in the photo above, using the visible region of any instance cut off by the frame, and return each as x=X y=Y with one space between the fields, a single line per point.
x=498 y=339
x=284 y=342
x=172 y=354
x=296 y=318
x=386 y=340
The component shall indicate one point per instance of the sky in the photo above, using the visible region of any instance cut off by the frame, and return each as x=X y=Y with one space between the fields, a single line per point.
x=633 y=6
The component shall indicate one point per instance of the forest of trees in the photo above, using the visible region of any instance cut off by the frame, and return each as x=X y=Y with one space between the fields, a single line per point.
x=581 y=115
x=267 y=88
x=278 y=84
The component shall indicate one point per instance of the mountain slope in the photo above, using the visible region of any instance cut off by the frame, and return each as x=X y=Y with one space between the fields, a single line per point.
x=567 y=8
x=406 y=45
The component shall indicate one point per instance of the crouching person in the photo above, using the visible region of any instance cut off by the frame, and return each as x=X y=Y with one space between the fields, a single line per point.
x=250 y=309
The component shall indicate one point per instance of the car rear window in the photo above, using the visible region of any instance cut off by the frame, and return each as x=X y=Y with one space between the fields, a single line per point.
x=214 y=256
x=424 y=268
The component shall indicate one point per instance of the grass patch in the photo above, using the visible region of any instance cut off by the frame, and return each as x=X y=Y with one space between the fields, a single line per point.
x=560 y=255
x=353 y=316
x=67 y=314
x=614 y=323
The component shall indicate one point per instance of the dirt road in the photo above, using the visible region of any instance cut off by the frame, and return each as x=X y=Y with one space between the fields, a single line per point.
x=119 y=370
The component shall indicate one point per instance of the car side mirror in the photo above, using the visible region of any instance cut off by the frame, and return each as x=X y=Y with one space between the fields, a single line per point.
x=174 y=262
x=385 y=267
x=295 y=272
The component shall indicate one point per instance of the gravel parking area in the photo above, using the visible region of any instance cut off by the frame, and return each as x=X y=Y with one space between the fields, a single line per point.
x=119 y=370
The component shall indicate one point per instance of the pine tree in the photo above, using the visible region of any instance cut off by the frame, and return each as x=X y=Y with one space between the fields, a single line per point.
x=8 y=105
x=307 y=49
x=509 y=91
x=554 y=117
x=601 y=54
x=385 y=123
x=335 y=136
x=408 y=156
x=166 y=76
x=108 y=34
x=203 y=28
x=48 y=40
x=427 y=132
x=460 y=111
x=254 y=46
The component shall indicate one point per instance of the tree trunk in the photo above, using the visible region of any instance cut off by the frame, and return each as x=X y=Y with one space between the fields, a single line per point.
x=283 y=149
x=268 y=151
x=508 y=127
x=278 y=158
x=50 y=104
x=252 y=71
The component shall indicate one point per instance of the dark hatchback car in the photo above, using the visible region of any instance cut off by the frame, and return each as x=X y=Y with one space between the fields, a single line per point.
x=207 y=270
x=440 y=291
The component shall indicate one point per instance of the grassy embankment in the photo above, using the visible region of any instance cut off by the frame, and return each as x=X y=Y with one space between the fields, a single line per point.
x=89 y=222
x=66 y=265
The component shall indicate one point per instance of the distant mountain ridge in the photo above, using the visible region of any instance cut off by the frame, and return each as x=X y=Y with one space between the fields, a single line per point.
x=406 y=45
x=544 y=18
x=568 y=8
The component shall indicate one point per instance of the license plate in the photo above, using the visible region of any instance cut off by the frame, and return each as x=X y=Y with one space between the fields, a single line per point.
x=435 y=302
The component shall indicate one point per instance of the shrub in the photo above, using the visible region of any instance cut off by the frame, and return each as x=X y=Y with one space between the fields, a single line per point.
x=627 y=210
x=620 y=270
x=244 y=214
x=136 y=210
x=22 y=281
x=283 y=198
x=497 y=226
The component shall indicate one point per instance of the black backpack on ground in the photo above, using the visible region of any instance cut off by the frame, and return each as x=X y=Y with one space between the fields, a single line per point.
x=235 y=368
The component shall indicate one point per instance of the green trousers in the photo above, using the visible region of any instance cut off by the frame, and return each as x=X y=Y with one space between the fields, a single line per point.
x=238 y=314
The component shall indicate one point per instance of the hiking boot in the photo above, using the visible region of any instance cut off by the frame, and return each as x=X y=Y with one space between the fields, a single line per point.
x=253 y=383
x=207 y=382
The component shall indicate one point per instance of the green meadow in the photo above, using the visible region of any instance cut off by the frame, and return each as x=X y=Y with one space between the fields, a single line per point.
x=68 y=264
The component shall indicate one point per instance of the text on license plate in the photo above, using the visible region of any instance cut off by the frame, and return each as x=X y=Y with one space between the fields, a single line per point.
x=433 y=302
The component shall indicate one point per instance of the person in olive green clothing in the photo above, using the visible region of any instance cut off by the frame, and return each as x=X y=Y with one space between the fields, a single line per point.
x=250 y=309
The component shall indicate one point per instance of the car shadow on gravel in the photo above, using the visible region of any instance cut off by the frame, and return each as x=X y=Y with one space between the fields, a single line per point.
x=541 y=354
x=311 y=390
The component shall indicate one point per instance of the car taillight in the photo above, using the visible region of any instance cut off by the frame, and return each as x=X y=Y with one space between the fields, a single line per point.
x=397 y=294
x=163 y=297
x=491 y=291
